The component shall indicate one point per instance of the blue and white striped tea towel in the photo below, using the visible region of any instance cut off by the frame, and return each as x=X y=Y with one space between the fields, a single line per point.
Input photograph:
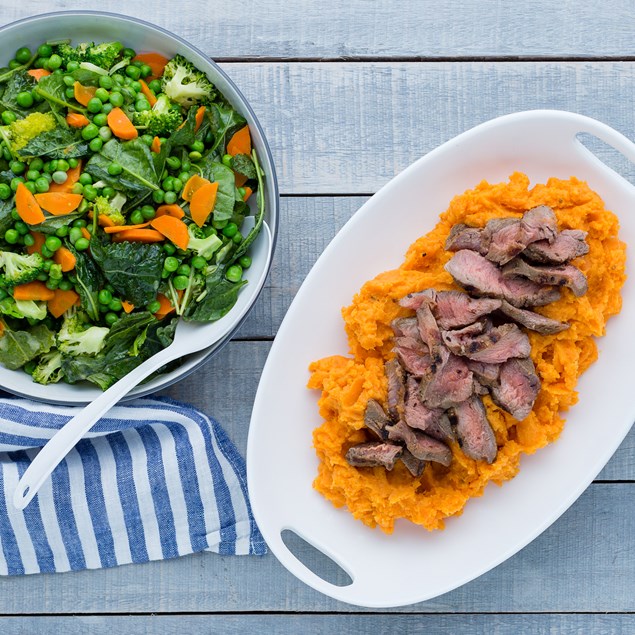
x=155 y=479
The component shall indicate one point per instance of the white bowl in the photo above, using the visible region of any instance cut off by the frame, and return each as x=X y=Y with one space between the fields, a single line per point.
x=88 y=26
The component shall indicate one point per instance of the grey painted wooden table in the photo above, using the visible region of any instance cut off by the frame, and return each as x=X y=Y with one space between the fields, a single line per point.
x=350 y=93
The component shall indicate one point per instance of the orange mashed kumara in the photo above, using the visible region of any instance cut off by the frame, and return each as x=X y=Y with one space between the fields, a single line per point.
x=378 y=497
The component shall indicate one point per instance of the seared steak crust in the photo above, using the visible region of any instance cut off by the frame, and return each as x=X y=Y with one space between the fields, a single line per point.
x=568 y=244
x=517 y=387
x=474 y=430
x=558 y=276
x=533 y=321
x=374 y=454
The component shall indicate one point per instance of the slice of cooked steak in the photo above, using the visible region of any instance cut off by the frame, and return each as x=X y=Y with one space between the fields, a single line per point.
x=509 y=236
x=554 y=275
x=480 y=276
x=413 y=355
x=474 y=431
x=464 y=237
x=406 y=327
x=418 y=299
x=422 y=446
x=414 y=465
x=432 y=421
x=495 y=346
x=374 y=454
x=454 y=309
x=396 y=377
x=517 y=388
x=376 y=419
x=429 y=332
x=532 y=320
x=485 y=374
x=569 y=244
x=452 y=383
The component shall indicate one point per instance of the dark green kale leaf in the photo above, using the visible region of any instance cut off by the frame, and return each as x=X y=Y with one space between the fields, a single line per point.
x=226 y=194
x=260 y=216
x=19 y=347
x=220 y=296
x=18 y=83
x=59 y=143
x=242 y=163
x=133 y=269
x=224 y=121
x=89 y=282
x=6 y=220
x=181 y=137
x=53 y=89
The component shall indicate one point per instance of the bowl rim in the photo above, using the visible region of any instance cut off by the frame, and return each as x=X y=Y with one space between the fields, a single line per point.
x=272 y=182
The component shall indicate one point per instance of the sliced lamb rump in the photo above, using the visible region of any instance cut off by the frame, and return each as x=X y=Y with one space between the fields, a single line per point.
x=464 y=237
x=406 y=327
x=569 y=244
x=450 y=383
x=418 y=299
x=376 y=419
x=474 y=431
x=532 y=320
x=421 y=446
x=455 y=309
x=374 y=454
x=414 y=465
x=495 y=346
x=432 y=421
x=480 y=276
x=558 y=275
x=517 y=388
x=396 y=377
x=429 y=332
x=413 y=355
x=485 y=374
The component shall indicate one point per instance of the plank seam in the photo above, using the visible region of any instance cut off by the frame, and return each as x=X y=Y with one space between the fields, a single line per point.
x=417 y=58
x=309 y=613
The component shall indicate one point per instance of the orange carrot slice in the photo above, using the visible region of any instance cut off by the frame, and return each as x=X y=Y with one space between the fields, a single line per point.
x=83 y=94
x=173 y=229
x=36 y=247
x=149 y=95
x=191 y=185
x=35 y=290
x=200 y=113
x=28 y=209
x=58 y=203
x=248 y=193
x=155 y=61
x=38 y=73
x=240 y=143
x=77 y=120
x=127 y=306
x=166 y=307
x=240 y=179
x=86 y=234
x=120 y=125
x=156 y=145
x=115 y=229
x=72 y=176
x=171 y=210
x=202 y=203
x=62 y=301
x=139 y=236
x=66 y=258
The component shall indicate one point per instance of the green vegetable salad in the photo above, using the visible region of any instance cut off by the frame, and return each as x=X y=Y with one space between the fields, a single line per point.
x=124 y=181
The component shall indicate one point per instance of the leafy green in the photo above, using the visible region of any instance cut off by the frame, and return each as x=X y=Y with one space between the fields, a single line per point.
x=224 y=121
x=53 y=223
x=225 y=196
x=6 y=220
x=242 y=163
x=251 y=236
x=19 y=82
x=19 y=347
x=61 y=143
x=219 y=297
x=133 y=269
x=53 y=89
x=89 y=282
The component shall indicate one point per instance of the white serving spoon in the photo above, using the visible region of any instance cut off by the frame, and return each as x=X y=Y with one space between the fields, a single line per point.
x=189 y=337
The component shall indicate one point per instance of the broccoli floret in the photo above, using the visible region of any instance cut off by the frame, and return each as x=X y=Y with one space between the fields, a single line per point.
x=74 y=339
x=203 y=246
x=105 y=54
x=70 y=53
x=19 y=268
x=162 y=120
x=111 y=208
x=31 y=309
x=185 y=84
x=21 y=131
x=49 y=368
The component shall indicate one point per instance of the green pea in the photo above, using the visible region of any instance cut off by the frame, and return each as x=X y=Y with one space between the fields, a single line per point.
x=47 y=253
x=145 y=71
x=36 y=164
x=167 y=184
x=21 y=227
x=11 y=236
x=115 y=304
x=148 y=212
x=105 y=133
x=238 y=238
x=114 y=169
x=90 y=192
x=90 y=131
x=177 y=185
x=95 y=144
x=116 y=99
x=55 y=61
x=5 y=192
x=15 y=181
x=65 y=285
x=73 y=163
x=171 y=264
x=29 y=240
x=142 y=105
x=209 y=137
x=108 y=192
x=136 y=218
x=104 y=296
x=155 y=86
x=230 y=230
x=147 y=139
x=80 y=222
x=8 y=117
x=180 y=282
x=72 y=66
x=42 y=185
x=13 y=64
x=228 y=160
x=62 y=231
x=158 y=196
x=47 y=264
x=133 y=72
x=186 y=166
x=198 y=146
x=94 y=105
x=170 y=198
x=42 y=277
x=128 y=52
x=53 y=243
x=174 y=163
x=195 y=156
x=82 y=244
x=29 y=367
x=100 y=120
x=219 y=224
x=102 y=94
x=17 y=167
x=136 y=86
x=110 y=318
x=198 y=262
x=44 y=50
x=32 y=175
x=68 y=80
x=106 y=108
x=30 y=186
x=63 y=165
x=169 y=249
x=23 y=55
x=234 y=273
x=154 y=306
x=60 y=177
x=118 y=79
x=183 y=177
x=69 y=92
x=184 y=270
x=75 y=234
x=85 y=178
x=106 y=82
x=52 y=283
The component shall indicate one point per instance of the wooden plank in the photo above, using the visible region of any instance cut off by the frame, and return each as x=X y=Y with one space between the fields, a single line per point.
x=349 y=128
x=472 y=624
x=358 y=28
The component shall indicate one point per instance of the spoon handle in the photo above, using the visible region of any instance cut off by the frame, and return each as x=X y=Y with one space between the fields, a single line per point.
x=53 y=453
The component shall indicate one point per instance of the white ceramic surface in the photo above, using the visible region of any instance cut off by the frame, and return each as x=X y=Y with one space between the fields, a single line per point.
x=413 y=565
x=86 y=26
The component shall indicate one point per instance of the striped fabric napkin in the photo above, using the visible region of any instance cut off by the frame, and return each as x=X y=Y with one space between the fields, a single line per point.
x=155 y=479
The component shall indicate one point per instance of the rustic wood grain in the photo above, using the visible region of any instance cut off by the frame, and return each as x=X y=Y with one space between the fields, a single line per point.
x=364 y=28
